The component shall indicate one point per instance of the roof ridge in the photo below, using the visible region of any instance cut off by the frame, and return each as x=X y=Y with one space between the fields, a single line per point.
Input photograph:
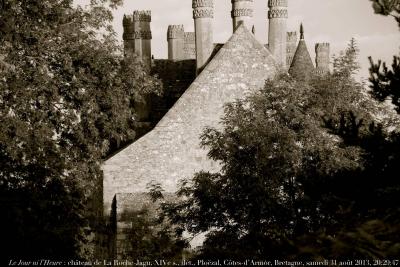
x=171 y=151
x=240 y=30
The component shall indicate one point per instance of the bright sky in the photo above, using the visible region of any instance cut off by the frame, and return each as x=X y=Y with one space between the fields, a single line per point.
x=333 y=21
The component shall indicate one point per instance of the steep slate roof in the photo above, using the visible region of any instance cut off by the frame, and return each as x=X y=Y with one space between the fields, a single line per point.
x=302 y=65
x=171 y=151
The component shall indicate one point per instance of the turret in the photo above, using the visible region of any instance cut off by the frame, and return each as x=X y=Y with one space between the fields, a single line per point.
x=203 y=14
x=176 y=42
x=291 y=44
x=302 y=66
x=277 y=16
x=322 y=51
x=190 y=45
x=242 y=12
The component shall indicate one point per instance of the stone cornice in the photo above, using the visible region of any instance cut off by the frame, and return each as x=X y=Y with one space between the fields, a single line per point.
x=175 y=32
x=203 y=13
x=145 y=35
x=202 y=3
x=242 y=12
x=322 y=47
x=190 y=37
x=142 y=15
x=277 y=13
x=277 y=3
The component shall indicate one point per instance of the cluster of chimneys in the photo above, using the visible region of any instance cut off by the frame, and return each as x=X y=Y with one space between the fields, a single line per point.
x=137 y=34
x=200 y=44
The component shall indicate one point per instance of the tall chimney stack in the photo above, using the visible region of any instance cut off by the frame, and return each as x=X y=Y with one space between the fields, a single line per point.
x=146 y=36
x=291 y=45
x=203 y=14
x=242 y=12
x=137 y=35
x=128 y=35
x=322 y=51
x=137 y=25
x=277 y=16
x=176 y=42
x=190 y=45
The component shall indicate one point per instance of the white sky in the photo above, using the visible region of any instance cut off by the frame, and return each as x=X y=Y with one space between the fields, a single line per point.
x=333 y=21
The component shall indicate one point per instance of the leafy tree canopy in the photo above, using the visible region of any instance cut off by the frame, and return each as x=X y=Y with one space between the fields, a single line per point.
x=387 y=8
x=66 y=102
x=385 y=82
x=299 y=161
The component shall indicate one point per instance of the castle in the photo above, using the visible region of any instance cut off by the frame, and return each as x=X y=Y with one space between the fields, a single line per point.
x=199 y=77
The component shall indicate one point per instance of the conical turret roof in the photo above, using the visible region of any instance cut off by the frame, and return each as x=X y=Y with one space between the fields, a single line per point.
x=302 y=66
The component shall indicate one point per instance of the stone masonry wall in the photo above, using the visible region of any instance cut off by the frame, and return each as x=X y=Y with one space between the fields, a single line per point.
x=190 y=45
x=176 y=77
x=171 y=151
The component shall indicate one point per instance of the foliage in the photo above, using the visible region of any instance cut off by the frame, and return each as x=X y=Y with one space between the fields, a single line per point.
x=149 y=238
x=387 y=8
x=346 y=64
x=66 y=102
x=375 y=235
x=298 y=161
x=371 y=240
x=280 y=162
x=385 y=83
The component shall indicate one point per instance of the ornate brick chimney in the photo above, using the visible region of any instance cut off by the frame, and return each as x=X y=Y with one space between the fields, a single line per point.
x=143 y=19
x=176 y=42
x=277 y=16
x=129 y=35
x=322 y=51
x=242 y=12
x=137 y=35
x=291 y=45
x=203 y=14
x=190 y=45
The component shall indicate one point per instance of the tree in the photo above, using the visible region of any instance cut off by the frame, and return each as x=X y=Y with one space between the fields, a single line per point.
x=346 y=64
x=387 y=8
x=66 y=102
x=149 y=238
x=375 y=235
x=299 y=161
x=269 y=145
x=385 y=83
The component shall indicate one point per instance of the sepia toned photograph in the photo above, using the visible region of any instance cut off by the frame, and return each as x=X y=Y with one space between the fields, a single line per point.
x=200 y=132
